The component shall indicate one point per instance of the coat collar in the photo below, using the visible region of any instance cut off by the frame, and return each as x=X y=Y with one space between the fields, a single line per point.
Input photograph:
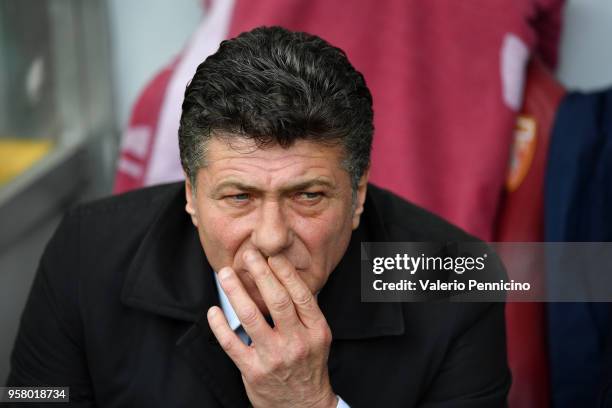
x=170 y=276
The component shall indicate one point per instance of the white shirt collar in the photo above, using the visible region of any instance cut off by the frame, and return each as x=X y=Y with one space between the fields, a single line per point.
x=228 y=310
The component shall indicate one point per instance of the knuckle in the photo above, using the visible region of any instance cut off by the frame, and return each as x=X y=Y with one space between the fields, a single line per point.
x=285 y=273
x=324 y=334
x=229 y=286
x=226 y=344
x=300 y=350
x=321 y=324
x=281 y=302
x=304 y=298
x=255 y=377
x=261 y=273
x=249 y=316
x=276 y=363
x=273 y=364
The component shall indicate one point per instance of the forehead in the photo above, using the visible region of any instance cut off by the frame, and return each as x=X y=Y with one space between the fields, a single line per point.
x=272 y=164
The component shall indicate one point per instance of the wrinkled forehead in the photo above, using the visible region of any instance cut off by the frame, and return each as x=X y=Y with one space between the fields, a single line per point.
x=224 y=147
x=272 y=165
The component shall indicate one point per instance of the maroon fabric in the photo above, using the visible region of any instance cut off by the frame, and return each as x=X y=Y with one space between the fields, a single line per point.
x=442 y=129
x=521 y=219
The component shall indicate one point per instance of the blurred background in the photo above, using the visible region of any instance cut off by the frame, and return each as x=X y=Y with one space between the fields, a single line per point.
x=90 y=96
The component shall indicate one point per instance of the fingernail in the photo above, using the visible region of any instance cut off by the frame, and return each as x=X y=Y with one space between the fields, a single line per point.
x=249 y=255
x=224 y=273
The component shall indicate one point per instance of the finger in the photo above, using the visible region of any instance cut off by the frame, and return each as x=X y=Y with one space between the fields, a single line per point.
x=228 y=340
x=276 y=296
x=305 y=302
x=247 y=311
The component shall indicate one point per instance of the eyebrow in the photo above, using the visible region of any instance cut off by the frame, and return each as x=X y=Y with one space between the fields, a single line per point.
x=302 y=185
x=305 y=185
x=233 y=184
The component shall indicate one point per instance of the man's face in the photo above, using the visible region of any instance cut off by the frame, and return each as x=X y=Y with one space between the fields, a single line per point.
x=296 y=202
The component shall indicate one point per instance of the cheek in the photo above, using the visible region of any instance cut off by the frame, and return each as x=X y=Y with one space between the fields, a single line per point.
x=318 y=233
x=221 y=238
x=326 y=239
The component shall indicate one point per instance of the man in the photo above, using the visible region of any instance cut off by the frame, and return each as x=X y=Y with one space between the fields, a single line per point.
x=259 y=304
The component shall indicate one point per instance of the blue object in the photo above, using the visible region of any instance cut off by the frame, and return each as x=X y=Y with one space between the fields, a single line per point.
x=578 y=207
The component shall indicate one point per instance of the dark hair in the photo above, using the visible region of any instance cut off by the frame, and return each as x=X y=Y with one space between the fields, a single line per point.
x=276 y=86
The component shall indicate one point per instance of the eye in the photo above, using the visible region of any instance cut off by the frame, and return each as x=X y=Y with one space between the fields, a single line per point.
x=241 y=196
x=308 y=196
x=238 y=198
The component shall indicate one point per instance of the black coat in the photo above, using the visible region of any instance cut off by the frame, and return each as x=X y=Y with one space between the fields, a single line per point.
x=117 y=312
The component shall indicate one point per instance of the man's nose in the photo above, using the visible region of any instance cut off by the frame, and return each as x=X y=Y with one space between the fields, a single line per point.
x=272 y=233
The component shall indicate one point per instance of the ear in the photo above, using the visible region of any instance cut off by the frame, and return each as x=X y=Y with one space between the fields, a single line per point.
x=361 y=195
x=190 y=207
